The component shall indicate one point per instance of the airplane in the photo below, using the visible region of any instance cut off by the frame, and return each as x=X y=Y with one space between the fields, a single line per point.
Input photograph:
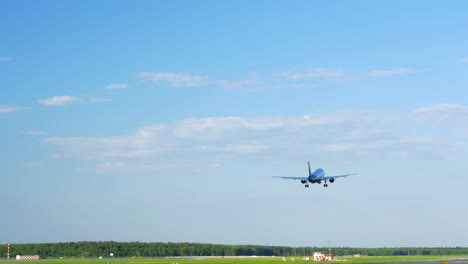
x=316 y=177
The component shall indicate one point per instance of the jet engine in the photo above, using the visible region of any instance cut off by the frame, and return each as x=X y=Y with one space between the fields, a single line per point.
x=332 y=180
x=303 y=181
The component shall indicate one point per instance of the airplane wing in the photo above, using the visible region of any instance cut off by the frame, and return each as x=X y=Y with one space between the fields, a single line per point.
x=336 y=176
x=291 y=178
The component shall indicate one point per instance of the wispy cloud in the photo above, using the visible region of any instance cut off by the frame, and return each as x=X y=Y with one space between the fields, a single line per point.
x=342 y=75
x=117 y=86
x=191 y=135
x=464 y=59
x=108 y=167
x=240 y=86
x=60 y=100
x=34 y=164
x=334 y=134
x=4 y=59
x=442 y=108
x=66 y=100
x=254 y=82
x=318 y=73
x=451 y=113
x=10 y=108
x=391 y=72
x=93 y=100
x=34 y=132
x=174 y=79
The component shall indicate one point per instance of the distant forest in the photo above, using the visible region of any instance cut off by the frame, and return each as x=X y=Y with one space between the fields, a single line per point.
x=140 y=249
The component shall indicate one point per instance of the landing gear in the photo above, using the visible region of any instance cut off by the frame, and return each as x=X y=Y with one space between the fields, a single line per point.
x=306 y=186
x=325 y=185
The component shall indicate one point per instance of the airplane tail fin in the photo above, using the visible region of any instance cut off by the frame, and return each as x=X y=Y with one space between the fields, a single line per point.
x=310 y=173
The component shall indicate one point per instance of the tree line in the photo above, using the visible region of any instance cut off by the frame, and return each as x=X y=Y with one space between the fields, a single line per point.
x=159 y=249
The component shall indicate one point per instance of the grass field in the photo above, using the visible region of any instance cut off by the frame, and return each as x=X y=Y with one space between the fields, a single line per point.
x=234 y=260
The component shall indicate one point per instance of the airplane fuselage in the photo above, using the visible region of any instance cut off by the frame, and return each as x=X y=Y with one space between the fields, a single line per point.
x=316 y=175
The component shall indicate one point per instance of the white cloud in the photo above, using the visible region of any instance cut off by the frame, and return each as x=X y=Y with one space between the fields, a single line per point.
x=117 y=86
x=339 y=147
x=332 y=135
x=441 y=108
x=240 y=86
x=255 y=82
x=34 y=132
x=452 y=113
x=246 y=147
x=174 y=79
x=60 y=100
x=71 y=100
x=33 y=164
x=342 y=75
x=464 y=59
x=318 y=73
x=93 y=100
x=114 y=165
x=10 y=108
x=4 y=59
x=390 y=72
x=186 y=136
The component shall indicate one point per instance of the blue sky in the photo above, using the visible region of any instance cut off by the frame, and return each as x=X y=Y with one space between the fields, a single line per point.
x=165 y=120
